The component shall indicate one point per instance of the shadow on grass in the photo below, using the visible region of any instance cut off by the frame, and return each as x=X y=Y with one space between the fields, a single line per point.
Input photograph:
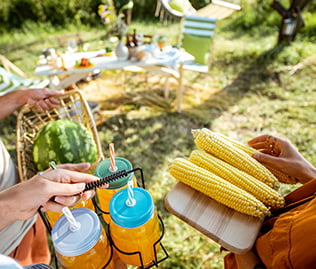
x=149 y=141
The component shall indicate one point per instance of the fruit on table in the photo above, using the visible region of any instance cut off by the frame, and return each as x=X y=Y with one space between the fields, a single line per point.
x=63 y=141
x=83 y=62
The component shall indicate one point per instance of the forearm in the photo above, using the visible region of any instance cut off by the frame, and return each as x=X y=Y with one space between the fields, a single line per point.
x=308 y=173
x=11 y=102
x=10 y=210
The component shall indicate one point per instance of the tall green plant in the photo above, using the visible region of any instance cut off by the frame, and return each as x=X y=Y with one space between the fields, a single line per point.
x=15 y=13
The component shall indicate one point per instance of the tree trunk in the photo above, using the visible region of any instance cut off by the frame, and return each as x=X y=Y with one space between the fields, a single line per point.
x=292 y=20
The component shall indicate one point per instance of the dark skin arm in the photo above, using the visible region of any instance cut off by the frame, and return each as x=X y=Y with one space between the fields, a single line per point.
x=281 y=154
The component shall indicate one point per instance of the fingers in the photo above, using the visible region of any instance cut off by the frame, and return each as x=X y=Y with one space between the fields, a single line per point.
x=68 y=176
x=52 y=206
x=57 y=189
x=54 y=102
x=268 y=159
x=67 y=200
x=41 y=105
x=87 y=195
x=50 y=93
x=267 y=144
x=46 y=104
x=43 y=99
x=262 y=141
x=56 y=183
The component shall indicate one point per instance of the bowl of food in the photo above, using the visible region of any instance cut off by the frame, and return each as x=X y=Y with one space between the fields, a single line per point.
x=84 y=63
x=108 y=51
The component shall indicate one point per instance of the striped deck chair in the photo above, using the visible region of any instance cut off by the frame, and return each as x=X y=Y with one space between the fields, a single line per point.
x=196 y=39
x=10 y=82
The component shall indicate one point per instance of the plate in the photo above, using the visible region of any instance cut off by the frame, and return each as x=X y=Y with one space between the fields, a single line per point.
x=83 y=67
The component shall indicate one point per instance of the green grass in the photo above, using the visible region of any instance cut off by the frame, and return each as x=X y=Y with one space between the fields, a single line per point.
x=254 y=87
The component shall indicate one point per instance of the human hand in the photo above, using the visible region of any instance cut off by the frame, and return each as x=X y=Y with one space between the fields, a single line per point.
x=282 y=155
x=42 y=99
x=64 y=185
x=72 y=200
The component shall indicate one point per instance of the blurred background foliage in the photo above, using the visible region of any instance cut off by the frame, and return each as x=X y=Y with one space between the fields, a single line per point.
x=18 y=14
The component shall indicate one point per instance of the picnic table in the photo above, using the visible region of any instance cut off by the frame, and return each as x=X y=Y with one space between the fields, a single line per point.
x=169 y=61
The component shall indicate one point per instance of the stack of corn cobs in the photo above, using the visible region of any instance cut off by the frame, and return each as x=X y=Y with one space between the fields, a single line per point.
x=224 y=170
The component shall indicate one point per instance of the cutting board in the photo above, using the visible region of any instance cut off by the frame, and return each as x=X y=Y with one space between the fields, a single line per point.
x=234 y=231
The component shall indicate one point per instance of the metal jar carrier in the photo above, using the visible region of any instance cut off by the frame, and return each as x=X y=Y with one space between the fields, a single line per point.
x=106 y=180
x=74 y=107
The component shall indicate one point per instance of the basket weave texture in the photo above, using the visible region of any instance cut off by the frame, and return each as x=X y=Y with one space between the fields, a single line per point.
x=73 y=106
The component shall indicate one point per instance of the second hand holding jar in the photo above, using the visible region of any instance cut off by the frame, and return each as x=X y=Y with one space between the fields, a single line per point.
x=134 y=226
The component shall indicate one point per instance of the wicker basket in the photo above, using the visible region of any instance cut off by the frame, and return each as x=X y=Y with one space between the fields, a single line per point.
x=73 y=107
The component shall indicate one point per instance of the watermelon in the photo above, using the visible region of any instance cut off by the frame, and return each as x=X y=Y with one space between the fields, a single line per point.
x=63 y=141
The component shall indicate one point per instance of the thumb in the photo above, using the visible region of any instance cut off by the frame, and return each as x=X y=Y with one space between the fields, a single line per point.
x=265 y=158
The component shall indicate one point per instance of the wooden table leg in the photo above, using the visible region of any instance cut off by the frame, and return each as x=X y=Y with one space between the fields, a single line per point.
x=180 y=88
x=68 y=81
x=53 y=82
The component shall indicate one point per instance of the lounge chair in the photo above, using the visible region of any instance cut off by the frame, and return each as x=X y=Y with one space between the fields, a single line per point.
x=10 y=81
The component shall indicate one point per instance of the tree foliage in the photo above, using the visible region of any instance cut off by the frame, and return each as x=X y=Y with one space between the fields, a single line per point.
x=15 y=13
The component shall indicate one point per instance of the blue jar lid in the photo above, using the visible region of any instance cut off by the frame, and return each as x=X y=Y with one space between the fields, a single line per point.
x=103 y=170
x=74 y=243
x=128 y=216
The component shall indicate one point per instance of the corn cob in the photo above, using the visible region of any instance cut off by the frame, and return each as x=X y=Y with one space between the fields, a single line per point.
x=239 y=178
x=282 y=177
x=214 y=144
x=217 y=188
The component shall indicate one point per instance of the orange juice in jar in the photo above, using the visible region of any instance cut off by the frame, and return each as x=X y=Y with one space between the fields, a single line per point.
x=104 y=195
x=134 y=228
x=86 y=246
x=54 y=216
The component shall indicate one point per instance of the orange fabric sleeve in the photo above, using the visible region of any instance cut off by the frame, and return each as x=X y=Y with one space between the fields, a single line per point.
x=291 y=241
x=302 y=192
x=230 y=261
x=34 y=246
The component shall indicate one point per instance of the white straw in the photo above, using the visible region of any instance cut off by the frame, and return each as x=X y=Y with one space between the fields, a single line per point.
x=131 y=200
x=73 y=224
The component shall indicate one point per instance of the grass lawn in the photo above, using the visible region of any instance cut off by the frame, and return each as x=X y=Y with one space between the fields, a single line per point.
x=254 y=87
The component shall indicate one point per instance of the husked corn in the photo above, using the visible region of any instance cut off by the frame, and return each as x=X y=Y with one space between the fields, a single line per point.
x=217 y=188
x=282 y=177
x=214 y=144
x=239 y=178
